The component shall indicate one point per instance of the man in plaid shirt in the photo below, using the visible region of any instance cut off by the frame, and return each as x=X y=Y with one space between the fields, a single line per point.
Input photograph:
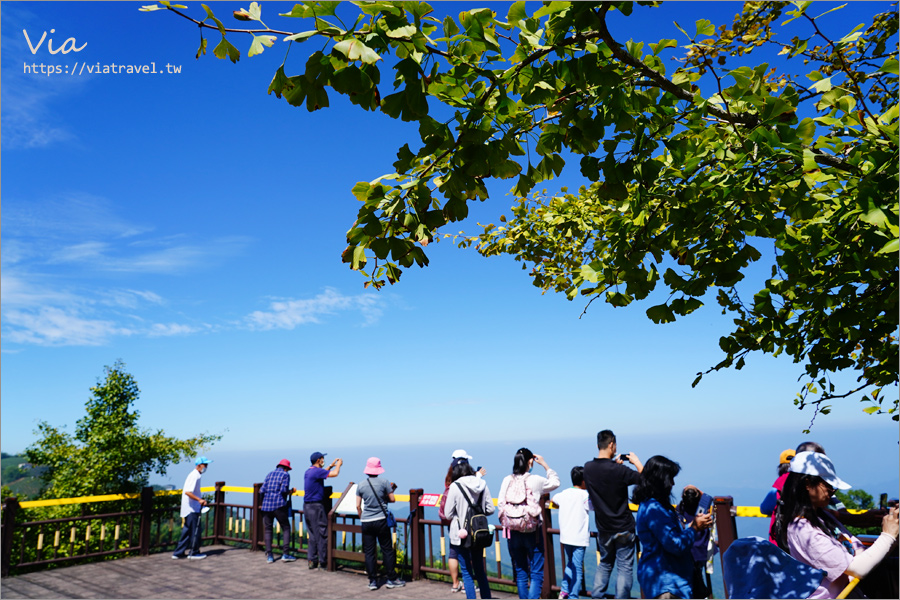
x=276 y=490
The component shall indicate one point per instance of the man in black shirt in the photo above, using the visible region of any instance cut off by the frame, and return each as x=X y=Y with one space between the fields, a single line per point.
x=607 y=482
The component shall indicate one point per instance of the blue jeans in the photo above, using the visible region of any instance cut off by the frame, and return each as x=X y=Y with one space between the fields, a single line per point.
x=527 y=553
x=573 y=571
x=471 y=567
x=615 y=549
x=190 y=536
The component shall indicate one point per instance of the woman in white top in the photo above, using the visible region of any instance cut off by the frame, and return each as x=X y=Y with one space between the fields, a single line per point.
x=519 y=504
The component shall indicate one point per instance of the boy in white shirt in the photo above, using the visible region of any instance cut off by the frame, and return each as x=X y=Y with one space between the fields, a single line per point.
x=574 y=532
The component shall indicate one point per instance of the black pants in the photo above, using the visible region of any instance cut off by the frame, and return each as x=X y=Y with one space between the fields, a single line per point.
x=269 y=517
x=317 y=529
x=373 y=531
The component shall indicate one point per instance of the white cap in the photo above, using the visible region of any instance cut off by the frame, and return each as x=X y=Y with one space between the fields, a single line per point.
x=816 y=463
x=460 y=454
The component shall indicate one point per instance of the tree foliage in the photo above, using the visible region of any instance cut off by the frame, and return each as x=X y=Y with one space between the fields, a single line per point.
x=692 y=174
x=109 y=453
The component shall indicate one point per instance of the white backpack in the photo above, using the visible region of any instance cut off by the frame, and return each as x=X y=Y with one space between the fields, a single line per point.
x=521 y=510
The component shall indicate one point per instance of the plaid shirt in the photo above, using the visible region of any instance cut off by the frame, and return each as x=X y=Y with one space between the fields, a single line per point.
x=275 y=489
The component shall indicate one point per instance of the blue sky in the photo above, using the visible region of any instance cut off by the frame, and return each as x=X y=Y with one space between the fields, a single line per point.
x=192 y=226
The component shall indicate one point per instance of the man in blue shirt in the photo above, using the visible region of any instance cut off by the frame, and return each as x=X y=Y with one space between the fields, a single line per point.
x=314 y=510
x=276 y=491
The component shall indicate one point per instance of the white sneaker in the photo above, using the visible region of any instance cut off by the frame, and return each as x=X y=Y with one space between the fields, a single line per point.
x=196 y=557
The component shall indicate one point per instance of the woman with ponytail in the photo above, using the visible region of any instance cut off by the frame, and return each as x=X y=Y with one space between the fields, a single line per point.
x=519 y=504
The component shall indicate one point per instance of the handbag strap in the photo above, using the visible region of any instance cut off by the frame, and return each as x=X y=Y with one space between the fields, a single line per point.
x=466 y=496
x=374 y=493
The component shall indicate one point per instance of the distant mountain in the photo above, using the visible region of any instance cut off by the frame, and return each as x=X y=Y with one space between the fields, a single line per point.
x=22 y=479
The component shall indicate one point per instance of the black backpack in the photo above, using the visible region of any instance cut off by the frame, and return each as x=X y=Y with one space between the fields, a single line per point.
x=478 y=534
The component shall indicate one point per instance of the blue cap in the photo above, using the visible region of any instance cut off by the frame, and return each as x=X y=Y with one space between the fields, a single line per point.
x=315 y=456
x=202 y=461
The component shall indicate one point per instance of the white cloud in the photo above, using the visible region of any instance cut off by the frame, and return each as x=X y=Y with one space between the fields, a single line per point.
x=37 y=314
x=73 y=218
x=104 y=256
x=288 y=314
x=51 y=326
x=168 y=329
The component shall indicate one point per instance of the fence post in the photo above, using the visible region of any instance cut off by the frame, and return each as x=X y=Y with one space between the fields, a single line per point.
x=10 y=508
x=330 y=537
x=726 y=527
x=416 y=534
x=549 y=553
x=146 y=519
x=255 y=520
x=219 y=519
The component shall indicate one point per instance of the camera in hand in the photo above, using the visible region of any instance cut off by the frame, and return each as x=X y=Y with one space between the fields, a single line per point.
x=623 y=458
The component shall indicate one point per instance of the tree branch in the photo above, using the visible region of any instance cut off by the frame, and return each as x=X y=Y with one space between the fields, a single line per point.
x=665 y=84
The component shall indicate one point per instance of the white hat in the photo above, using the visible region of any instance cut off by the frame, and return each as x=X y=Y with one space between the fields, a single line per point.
x=816 y=463
x=460 y=454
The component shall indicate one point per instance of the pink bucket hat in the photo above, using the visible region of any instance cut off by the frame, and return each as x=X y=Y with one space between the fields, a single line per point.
x=373 y=466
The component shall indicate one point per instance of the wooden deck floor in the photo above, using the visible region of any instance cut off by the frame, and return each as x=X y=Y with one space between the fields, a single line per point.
x=226 y=573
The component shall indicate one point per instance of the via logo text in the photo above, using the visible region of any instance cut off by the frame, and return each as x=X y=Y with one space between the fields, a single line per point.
x=70 y=45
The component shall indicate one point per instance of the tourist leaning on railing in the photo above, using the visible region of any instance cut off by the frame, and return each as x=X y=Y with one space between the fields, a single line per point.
x=276 y=493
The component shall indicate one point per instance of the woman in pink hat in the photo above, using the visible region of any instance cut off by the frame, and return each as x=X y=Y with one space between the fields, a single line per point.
x=372 y=498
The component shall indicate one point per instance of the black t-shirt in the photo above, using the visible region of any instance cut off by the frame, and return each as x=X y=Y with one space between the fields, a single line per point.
x=607 y=485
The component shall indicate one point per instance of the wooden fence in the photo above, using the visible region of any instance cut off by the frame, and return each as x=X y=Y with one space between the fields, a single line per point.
x=153 y=525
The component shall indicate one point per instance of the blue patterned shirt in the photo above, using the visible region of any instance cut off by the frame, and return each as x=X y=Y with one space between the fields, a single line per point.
x=275 y=490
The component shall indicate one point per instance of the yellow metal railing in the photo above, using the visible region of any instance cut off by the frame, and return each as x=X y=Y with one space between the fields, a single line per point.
x=741 y=511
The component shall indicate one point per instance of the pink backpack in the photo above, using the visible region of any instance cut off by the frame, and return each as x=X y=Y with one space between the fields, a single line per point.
x=520 y=510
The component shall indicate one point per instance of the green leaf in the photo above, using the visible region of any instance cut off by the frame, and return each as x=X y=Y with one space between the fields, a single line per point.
x=806 y=129
x=618 y=298
x=300 y=37
x=279 y=82
x=359 y=258
x=516 y=13
x=875 y=217
x=705 y=28
x=551 y=8
x=890 y=66
x=871 y=410
x=890 y=248
x=256 y=47
x=210 y=15
x=202 y=50
x=662 y=45
x=225 y=49
x=661 y=313
x=354 y=49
